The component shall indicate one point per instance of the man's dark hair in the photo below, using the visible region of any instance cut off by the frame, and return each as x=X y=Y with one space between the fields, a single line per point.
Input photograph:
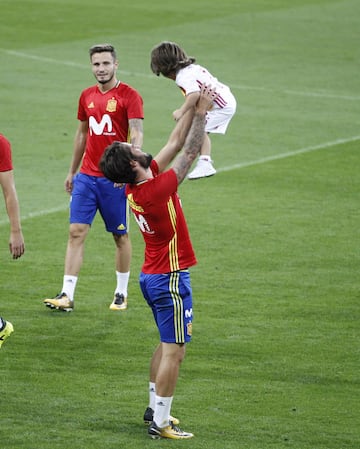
x=168 y=58
x=115 y=163
x=101 y=48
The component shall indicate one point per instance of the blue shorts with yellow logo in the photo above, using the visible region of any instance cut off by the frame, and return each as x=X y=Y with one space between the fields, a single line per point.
x=170 y=298
x=91 y=194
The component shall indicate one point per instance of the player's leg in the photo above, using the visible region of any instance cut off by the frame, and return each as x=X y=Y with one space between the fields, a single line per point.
x=114 y=210
x=83 y=207
x=154 y=368
x=204 y=165
x=123 y=253
x=6 y=329
x=206 y=147
x=75 y=248
x=169 y=296
x=217 y=121
x=172 y=355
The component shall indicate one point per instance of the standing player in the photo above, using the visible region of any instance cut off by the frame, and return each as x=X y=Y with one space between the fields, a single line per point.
x=172 y=62
x=165 y=279
x=110 y=110
x=16 y=239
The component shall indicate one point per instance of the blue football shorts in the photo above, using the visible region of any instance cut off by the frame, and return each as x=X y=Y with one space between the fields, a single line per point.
x=91 y=194
x=170 y=298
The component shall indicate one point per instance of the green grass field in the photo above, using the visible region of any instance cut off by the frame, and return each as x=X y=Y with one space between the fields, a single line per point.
x=274 y=361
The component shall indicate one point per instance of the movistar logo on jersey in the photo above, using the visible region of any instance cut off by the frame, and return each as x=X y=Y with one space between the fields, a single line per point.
x=104 y=127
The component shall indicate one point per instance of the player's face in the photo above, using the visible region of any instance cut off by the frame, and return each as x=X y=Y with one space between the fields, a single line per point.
x=144 y=159
x=103 y=67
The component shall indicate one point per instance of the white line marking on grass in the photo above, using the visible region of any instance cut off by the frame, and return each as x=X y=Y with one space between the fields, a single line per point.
x=275 y=157
x=39 y=213
x=148 y=75
x=263 y=160
x=68 y=63
x=44 y=59
x=298 y=93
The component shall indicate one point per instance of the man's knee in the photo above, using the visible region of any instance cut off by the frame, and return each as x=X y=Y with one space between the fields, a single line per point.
x=174 y=351
x=78 y=231
x=121 y=239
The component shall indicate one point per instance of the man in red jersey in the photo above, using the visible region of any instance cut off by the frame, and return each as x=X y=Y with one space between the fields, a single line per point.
x=164 y=279
x=16 y=239
x=109 y=111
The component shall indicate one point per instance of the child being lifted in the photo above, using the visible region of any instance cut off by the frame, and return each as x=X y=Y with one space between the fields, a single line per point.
x=170 y=60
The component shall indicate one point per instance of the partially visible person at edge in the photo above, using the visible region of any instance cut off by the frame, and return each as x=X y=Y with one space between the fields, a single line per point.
x=170 y=60
x=165 y=278
x=16 y=239
x=111 y=110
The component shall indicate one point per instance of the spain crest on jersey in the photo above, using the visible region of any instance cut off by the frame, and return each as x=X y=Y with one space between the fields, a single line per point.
x=189 y=328
x=111 y=105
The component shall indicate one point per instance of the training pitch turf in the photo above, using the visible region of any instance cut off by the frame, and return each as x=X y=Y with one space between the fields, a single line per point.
x=274 y=361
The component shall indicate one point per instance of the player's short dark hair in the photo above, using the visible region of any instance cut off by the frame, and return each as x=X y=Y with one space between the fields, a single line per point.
x=168 y=58
x=115 y=163
x=101 y=48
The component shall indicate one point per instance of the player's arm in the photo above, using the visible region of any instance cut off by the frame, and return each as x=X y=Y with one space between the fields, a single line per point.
x=136 y=132
x=16 y=240
x=79 y=149
x=175 y=142
x=189 y=103
x=196 y=134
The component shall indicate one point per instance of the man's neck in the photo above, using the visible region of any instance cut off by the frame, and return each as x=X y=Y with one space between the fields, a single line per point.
x=108 y=86
x=144 y=175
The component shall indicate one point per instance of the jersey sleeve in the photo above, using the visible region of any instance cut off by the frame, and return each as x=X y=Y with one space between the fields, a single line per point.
x=81 y=114
x=5 y=154
x=135 y=107
x=163 y=185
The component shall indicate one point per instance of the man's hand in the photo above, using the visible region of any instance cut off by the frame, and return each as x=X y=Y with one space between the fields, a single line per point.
x=177 y=115
x=196 y=134
x=207 y=96
x=68 y=183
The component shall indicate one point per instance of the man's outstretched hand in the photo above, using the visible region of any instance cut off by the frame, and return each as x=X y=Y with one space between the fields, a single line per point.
x=207 y=96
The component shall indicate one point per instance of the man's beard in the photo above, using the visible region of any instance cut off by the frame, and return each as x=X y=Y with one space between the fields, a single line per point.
x=145 y=160
x=105 y=81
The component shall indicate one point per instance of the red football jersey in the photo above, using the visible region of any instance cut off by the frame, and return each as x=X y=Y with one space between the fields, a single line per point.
x=5 y=154
x=158 y=212
x=108 y=116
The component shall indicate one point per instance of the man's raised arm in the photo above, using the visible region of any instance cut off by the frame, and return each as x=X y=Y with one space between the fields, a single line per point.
x=196 y=134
